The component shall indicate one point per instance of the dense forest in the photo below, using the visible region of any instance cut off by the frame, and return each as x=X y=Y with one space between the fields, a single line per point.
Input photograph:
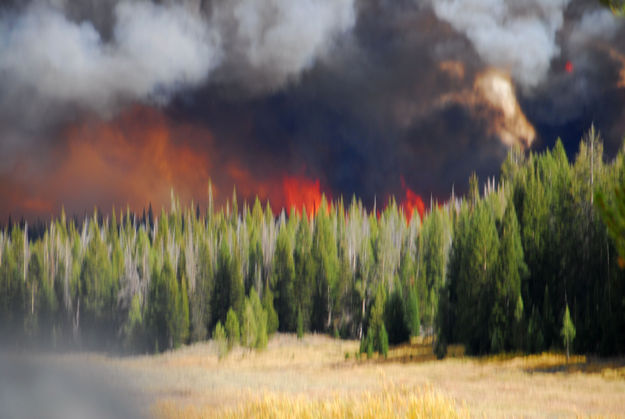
x=497 y=270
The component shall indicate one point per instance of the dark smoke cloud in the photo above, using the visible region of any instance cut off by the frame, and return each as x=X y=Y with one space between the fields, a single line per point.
x=356 y=93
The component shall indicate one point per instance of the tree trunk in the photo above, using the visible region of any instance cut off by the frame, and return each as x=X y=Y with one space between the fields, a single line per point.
x=567 y=353
x=362 y=319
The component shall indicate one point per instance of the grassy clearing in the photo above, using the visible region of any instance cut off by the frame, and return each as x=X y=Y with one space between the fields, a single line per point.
x=390 y=403
x=314 y=377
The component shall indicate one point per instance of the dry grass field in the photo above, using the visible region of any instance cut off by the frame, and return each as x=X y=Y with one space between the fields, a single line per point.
x=320 y=377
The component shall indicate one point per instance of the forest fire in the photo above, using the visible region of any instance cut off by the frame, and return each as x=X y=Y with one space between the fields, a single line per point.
x=300 y=193
x=507 y=120
x=131 y=160
x=412 y=201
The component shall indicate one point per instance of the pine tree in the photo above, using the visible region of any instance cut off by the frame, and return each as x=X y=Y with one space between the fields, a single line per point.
x=97 y=291
x=395 y=317
x=133 y=328
x=434 y=261
x=510 y=272
x=182 y=303
x=261 y=320
x=376 y=338
x=232 y=328
x=284 y=278
x=477 y=252
x=272 y=317
x=412 y=312
x=305 y=271
x=325 y=254
x=300 y=324
x=568 y=331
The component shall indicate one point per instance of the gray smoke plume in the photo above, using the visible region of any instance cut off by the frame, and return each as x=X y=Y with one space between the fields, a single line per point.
x=270 y=42
x=155 y=50
x=60 y=52
x=356 y=93
x=516 y=35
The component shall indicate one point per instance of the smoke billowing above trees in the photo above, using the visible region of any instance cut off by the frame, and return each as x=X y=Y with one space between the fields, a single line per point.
x=355 y=94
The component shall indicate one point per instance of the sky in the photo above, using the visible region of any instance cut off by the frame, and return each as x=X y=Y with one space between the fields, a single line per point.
x=113 y=103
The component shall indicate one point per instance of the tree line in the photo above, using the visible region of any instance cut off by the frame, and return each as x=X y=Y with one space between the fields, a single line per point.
x=496 y=270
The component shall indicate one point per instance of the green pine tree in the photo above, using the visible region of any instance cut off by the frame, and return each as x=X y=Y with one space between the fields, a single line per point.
x=232 y=328
x=568 y=331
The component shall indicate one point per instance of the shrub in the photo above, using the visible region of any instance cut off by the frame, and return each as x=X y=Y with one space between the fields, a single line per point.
x=219 y=336
x=248 y=325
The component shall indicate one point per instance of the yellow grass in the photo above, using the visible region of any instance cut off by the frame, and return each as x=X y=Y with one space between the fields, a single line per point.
x=313 y=377
x=391 y=403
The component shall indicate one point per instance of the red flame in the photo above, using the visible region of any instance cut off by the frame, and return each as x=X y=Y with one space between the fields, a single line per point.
x=301 y=192
x=411 y=202
x=568 y=67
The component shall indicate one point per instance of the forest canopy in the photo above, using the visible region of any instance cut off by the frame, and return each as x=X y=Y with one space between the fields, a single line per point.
x=496 y=270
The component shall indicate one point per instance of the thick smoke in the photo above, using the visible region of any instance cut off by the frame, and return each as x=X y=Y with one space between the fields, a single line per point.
x=270 y=42
x=61 y=54
x=356 y=93
x=515 y=35
x=155 y=50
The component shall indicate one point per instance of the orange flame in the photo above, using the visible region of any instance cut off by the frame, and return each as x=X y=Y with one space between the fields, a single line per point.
x=412 y=201
x=300 y=193
x=132 y=159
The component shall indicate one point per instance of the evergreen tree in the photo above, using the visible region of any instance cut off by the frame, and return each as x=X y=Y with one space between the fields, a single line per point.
x=477 y=252
x=272 y=317
x=434 y=261
x=182 y=303
x=97 y=290
x=284 y=278
x=261 y=321
x=162 y=313
x=376 y=338
x=305 y=271
x=232 y=329
x=395 y=317
x=412 y=313
x=506 y=311
x=326 y=260
x=133 y=328
x=568 y=331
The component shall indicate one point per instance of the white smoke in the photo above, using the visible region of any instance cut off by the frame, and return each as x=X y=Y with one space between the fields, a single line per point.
x=154 y=51
x=270 y=42
x=516 y=35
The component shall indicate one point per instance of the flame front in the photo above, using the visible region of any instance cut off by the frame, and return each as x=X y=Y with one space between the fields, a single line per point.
x=300 y=193
x=412 y=202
